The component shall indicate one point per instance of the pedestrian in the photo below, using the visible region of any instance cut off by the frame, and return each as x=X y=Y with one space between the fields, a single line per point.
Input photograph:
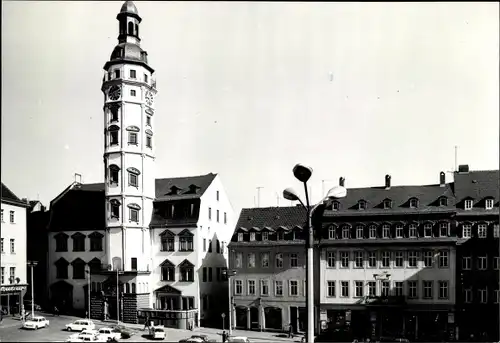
x=56 y=311
x=290 y=330
x=146 y=323
x=224 y=336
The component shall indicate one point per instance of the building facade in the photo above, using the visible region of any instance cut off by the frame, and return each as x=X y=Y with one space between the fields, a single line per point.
x=13 y=252
x=478 y=265
x=267 y=254
x=146 y=247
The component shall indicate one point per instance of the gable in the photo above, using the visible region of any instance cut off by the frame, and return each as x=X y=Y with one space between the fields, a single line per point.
x=61 y=262
x=186 y=233
x=186 y=263
x=77 y=261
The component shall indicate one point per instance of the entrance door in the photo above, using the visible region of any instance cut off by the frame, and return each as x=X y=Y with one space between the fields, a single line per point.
x=294 y=316
x=254 y=318
x=112 y=308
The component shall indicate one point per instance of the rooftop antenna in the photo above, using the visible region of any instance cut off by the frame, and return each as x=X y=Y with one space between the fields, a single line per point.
x=456 y=157
x=278 y=199
x=258 y=196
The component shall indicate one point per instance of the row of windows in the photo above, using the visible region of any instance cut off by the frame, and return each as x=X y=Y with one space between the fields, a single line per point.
x=186 y=271
x=12 y=246
x=207 y=274
x=132 y=75
x=481 y=262
x=12 y=275
x=12 y=216
x=133 y=211
x=265 y=260
x=369 y=288
x=114 y=177
x=132 y=139
x=267 y=235
x=468 y=204
x=217 y=213
x=185 y=241
x=251 y=287
x=114 y=116
x=482 y=295
x=79 y=267
x=399 y=259
x=95 y=240
x=141 y=287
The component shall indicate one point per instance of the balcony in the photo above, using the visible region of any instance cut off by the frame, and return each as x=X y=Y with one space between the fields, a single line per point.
x=106 y=269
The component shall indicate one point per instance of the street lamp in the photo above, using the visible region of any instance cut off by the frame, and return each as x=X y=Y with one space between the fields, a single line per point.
x=303 y=174
x=88 y=302
x=32 y=264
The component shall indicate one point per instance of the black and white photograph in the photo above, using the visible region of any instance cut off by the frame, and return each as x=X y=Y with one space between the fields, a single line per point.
x=219 y=171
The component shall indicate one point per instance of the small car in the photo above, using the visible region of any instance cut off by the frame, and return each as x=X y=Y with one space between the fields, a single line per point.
x=159 y=332
x=80 y=325
x=238 y=339
x=36 y=323
x=109 y=334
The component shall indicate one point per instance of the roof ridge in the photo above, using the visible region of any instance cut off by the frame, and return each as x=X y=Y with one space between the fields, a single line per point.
x=185 y=177
x=14 y=194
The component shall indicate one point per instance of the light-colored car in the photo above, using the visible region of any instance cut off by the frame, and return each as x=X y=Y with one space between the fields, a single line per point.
x=109 y=334
x=36 y=323
x=82 y=335
x=80 y=325
x=238 y=339
x=159 y=332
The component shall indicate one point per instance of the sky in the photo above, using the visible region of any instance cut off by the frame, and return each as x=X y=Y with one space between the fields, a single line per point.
x=247 y=90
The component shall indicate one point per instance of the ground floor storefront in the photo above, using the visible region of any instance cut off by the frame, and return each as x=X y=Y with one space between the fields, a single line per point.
x=11 y=297
x=414 y=324
x=478 y=322
x=265 y=315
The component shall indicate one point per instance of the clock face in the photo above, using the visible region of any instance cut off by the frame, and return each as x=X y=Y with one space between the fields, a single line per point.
x=114 y=93
x=149 y=98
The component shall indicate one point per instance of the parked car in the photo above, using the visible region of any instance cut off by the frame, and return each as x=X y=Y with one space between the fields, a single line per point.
x=158 y=332
x=109 y=334
x=238 y=339
x=80 y=325
x=36 y=323
x=27 y=306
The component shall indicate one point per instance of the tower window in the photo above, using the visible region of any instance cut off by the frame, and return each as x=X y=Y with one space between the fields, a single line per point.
x=133 y=180
x=117 y=73
x=113 y=137
x=137 y=30
x=134 y=215
x=130 y=28
x=148 y=120
x=146 y=78
x=114 y=113
x=110 y=75
x=115 y=208
x=149 y=141
x=132 y=74
x=132 y=92
x=113 y=174
x=132 y=138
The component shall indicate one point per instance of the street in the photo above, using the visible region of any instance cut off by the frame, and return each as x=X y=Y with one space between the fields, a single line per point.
x=11 y=331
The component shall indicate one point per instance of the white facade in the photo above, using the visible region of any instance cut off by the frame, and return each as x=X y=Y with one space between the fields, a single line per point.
x=13 y=245
x=393 y=274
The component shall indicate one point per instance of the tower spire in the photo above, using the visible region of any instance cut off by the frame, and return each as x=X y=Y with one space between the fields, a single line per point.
x=129 y=23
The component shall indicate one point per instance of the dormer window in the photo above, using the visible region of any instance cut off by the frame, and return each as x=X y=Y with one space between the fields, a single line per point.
x=468 y=204
x=488 y=204
x=362 y=205
x=335 y=206
x=265 y=236
x=281 y=236
x=252 y=236
x=240 y=236
x=387 y=203
x=174 y=190
x=413 y=203
x=443 y=201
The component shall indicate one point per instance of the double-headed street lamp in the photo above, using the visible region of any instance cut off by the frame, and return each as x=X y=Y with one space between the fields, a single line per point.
x=303 y=174
x=229 y=274
x=32 y=264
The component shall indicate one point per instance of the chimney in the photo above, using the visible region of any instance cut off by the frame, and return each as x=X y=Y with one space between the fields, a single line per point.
x=78 y=178
x=442 y=179
x=342 y=181
x=387 y=181
x=463 y=168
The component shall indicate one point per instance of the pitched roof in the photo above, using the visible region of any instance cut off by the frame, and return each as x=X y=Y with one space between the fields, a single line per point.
x=272 y=217
x=178 y=188
x=9 y=196
x=427 y=196
x=477 y=184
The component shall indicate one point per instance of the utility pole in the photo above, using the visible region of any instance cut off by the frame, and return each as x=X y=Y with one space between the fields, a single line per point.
x=258 y=196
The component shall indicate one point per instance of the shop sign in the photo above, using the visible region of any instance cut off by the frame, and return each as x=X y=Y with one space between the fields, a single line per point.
x=12 y=288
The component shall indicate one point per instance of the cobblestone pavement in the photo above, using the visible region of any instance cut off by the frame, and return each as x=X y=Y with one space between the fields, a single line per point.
x=11 y=331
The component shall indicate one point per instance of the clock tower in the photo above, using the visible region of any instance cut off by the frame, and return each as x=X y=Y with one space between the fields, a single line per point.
x=129 y=152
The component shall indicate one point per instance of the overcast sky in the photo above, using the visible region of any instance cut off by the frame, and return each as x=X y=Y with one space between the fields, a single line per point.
x=247 y=90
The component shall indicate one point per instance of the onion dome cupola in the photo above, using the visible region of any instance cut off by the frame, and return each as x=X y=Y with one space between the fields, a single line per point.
x=128 y=49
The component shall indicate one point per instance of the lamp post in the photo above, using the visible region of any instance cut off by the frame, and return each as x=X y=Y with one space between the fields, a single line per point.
x=88 y=302
x=229 y=274
x=32 y=264
x=303 y=174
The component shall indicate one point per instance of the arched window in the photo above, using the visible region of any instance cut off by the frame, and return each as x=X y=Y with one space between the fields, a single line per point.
x=130 y=28
x=123 y=27
x=127 y=288
x=133 y=287
x=137 y=30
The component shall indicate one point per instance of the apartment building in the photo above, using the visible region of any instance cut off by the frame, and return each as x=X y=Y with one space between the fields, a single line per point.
x=267 y=254
x=478 y=257
x=13 y=252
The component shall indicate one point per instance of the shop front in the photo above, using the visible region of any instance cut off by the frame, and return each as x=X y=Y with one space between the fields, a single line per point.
x=12 y=298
